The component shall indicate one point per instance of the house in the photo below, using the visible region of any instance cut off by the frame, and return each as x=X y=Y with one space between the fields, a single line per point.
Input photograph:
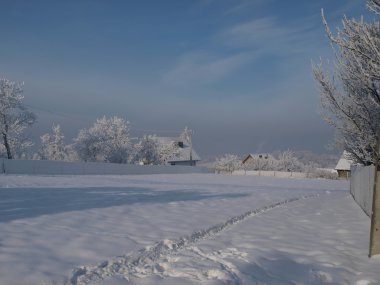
x=258 y=162
x=177 y=151
x=343 y=166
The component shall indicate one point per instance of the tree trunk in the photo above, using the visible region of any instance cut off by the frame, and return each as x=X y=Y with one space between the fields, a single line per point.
x=374 y=243
x=7 y=147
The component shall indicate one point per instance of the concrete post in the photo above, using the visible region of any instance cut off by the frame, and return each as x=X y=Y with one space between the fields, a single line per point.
x=374 y=244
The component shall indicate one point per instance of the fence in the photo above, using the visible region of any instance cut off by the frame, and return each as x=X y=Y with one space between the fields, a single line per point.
x=281 y=174
x=361 y=186
x=46 y=167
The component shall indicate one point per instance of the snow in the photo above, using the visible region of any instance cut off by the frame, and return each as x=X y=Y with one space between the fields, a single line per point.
x=181 y=229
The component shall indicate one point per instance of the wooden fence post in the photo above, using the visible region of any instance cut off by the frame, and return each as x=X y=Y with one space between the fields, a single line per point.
x=374 y=243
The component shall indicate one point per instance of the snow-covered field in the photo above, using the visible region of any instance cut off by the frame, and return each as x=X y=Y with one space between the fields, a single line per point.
x=181 y=229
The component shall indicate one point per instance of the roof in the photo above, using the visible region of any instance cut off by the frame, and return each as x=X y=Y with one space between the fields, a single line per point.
x=183 y=152
x=344 y=162
x=258 y=155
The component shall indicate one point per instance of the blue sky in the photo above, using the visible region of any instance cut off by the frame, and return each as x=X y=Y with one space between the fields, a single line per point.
x=236 y=72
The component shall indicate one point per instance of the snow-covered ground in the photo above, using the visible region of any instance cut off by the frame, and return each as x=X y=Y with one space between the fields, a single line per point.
x=181 y=229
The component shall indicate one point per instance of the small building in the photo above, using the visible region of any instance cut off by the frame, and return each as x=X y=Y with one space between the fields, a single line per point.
x=343 y=166
x=258 y=162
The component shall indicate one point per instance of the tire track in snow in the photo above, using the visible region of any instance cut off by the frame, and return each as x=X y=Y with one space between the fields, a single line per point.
x=134 y=264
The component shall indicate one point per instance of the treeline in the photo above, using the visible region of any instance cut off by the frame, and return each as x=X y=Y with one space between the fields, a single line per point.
x=285 y=161
x=107 y=140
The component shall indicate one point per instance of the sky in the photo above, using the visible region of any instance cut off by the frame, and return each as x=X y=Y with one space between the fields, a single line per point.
x=238 y=73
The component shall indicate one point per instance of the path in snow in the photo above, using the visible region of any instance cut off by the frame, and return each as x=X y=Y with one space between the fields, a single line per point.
x=145 y=261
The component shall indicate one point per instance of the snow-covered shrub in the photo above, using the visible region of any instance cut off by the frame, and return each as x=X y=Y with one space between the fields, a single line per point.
x=323 y=173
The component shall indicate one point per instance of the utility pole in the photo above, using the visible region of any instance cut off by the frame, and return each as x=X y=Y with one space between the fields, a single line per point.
x=374 y=243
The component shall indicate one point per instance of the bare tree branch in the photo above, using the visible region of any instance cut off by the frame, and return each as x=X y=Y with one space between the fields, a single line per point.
x=350 y=98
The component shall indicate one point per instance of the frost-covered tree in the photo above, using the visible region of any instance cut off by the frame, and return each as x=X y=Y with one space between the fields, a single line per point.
x=350 y=98
x=86 y=146
x=187 y=137
x=167 y=150
x=115 y=138
x=374 y=6
x=288 y=162
x=14 y=118
x=107 y=140
x=228 y=163
x=147 y=150
x=52 y=146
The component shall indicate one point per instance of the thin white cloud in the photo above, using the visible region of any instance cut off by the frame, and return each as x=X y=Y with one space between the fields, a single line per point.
x=267 y=35
x=253 y=32
x=243 y=5
x=245 y=43
x=204 y=68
